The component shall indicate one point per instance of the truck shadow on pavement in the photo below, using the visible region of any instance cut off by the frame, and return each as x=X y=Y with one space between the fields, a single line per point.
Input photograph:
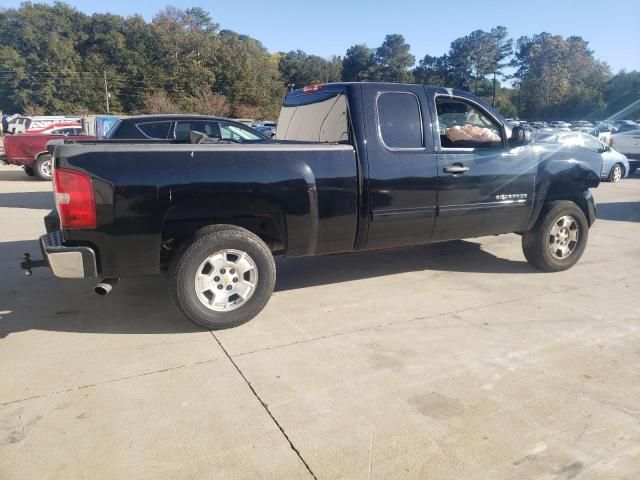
x=619 y=211
x=35 y=200
x=142 y=305
x=17 y=174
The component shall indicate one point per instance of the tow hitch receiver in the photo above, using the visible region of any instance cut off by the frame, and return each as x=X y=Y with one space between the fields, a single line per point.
x=27 y=264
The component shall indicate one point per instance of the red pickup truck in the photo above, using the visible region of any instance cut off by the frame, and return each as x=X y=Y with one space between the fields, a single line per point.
x=30 y=149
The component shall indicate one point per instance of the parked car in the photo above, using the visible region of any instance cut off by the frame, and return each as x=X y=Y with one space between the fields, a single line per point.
x=615 y=165
x=265 y=130
x=538 y=125
x=98 y=125
x=626 y=139
x=30 y=150
x=177 y=127
x=25 y=124
x=64 y=128
x=355 y=166
x=558 y=124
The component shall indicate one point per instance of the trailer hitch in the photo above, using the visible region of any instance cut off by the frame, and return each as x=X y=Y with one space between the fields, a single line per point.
x=27 y=264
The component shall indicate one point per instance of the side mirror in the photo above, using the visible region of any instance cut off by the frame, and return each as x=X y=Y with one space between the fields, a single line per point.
x=520 y=136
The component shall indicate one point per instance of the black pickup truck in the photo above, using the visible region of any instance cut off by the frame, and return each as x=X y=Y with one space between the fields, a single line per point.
x=354 y=166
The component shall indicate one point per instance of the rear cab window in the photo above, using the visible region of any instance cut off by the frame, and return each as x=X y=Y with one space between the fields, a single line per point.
x=321 y=116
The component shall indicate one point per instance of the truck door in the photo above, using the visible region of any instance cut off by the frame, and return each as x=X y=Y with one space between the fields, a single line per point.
x=484 y=187
x=402 y=168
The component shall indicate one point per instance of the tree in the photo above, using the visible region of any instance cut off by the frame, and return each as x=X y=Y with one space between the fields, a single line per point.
x=503 y=49
x=392 y=60
x=299 y=69
x=159 y=102
x=357 y=63
x=433 y=71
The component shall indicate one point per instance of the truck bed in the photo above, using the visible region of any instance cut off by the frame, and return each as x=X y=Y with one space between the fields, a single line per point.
x=303 y=195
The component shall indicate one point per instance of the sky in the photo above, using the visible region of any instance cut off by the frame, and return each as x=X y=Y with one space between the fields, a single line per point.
x=329 y=27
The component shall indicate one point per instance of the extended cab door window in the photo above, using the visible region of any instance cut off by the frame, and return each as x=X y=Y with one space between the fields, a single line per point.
x=400 y=121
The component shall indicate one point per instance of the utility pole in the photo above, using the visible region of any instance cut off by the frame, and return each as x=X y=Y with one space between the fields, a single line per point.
x=106 y=90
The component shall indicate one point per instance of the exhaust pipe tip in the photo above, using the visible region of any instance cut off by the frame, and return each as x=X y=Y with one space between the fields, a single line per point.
x=105 y=286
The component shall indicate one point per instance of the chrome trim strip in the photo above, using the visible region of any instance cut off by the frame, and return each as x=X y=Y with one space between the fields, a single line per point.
x=400 y=213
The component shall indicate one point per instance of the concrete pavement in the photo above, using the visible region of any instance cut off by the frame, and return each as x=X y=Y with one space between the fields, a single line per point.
x=441 y=362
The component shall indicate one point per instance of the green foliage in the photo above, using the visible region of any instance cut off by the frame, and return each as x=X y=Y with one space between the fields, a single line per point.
x=357 y=63
x=54 y=59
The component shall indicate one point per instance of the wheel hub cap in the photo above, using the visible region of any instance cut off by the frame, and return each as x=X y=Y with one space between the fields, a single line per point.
x=563 y=237
x=45 y=168
x=225 y=280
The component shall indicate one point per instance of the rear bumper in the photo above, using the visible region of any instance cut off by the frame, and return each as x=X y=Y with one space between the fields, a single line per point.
x=65 y=261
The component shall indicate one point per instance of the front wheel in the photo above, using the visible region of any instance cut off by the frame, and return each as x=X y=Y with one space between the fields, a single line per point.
x=558 y=239
x=43 y=167
x=223 y=277
x=616 y=174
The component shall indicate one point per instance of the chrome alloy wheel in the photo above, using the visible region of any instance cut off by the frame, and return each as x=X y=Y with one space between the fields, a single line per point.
x=563 y=237
x=616 y=176
x=45 y=168
x=225 y=280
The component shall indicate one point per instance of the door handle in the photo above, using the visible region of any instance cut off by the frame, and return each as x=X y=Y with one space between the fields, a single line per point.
x=456 y=168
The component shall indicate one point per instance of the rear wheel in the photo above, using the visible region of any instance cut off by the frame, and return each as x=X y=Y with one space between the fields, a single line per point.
x=558 y=239
x=223 y=277
x=43 y=167
x=616 y=173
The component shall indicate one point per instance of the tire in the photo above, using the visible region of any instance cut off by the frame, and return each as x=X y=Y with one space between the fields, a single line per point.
x=29 y=171
x=207 y=246
x=617 y=173
x=538 y=243
x=42 y=167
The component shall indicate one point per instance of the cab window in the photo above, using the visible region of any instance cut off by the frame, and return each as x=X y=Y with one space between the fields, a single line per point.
x=463 y=125
x=156 y=130
x=400 y=121
x=183 y=127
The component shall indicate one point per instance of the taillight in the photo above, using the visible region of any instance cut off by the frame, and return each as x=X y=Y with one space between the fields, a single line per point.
x=74 y=198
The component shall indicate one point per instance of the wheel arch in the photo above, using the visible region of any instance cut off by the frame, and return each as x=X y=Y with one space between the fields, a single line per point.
x=565 y=190
x=266 y=222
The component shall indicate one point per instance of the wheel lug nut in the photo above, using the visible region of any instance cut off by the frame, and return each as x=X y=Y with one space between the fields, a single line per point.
x=232 y=271
x=219 y=287
x=228 y=287
x=216 y=279
x=222 y=271
x=235 y=280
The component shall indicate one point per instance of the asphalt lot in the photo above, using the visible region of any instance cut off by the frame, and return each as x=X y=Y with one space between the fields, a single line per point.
x=441 y=362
